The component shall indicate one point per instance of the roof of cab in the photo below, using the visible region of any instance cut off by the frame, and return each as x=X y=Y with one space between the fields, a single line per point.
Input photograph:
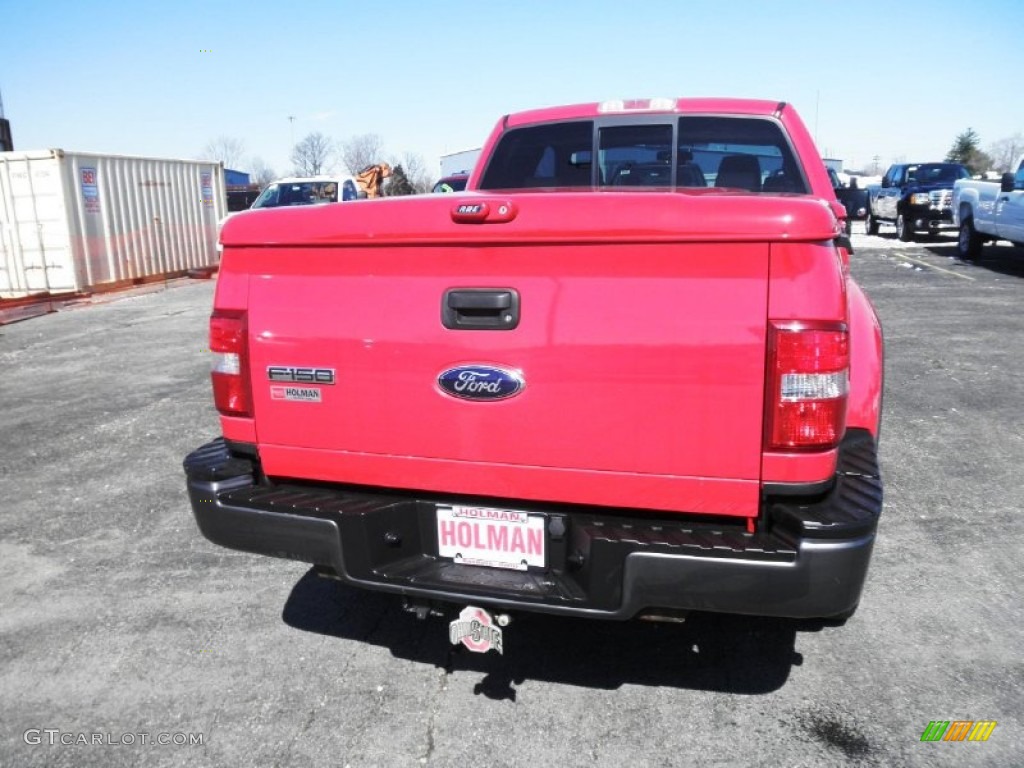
x=661 y=106
x=302 y=179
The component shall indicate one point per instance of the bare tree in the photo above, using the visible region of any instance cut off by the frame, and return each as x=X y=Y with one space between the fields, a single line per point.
x=260 y=173
x=312 y=155
x=361 y=151
x=225 y=149
x=1005 y=151
x=416 y=172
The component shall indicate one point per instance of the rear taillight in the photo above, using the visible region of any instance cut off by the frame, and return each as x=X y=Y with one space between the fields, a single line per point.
x=229 y=371
x=808 y=384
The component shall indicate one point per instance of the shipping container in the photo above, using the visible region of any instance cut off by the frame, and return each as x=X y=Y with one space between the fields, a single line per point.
x=76 y=221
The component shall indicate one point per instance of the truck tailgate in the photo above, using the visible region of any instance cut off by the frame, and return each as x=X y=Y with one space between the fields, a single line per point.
x=651 y=365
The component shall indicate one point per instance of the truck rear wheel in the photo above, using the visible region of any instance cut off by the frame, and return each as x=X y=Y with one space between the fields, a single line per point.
x=871 y=224
x=904 y=229
x=968 y=242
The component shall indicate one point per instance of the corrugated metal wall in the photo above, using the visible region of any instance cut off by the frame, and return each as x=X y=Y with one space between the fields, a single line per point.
x=77 y=221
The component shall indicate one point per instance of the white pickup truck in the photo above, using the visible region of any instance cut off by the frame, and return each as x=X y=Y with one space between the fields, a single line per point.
x=989 y=210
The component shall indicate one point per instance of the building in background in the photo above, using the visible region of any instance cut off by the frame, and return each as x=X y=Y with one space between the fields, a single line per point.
x=241 y=191
x=457 y=163
x=236 y=178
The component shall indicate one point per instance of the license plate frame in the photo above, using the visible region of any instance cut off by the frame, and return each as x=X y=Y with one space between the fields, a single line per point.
x=492 y=537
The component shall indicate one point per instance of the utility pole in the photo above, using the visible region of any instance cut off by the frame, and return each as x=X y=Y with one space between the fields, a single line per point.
x=6 y=142
x=817 y=99
x=291 y=124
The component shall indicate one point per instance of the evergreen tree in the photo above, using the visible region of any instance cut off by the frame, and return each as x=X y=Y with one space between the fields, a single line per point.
x=399 y=183
x=966 y=151
x=963 y=146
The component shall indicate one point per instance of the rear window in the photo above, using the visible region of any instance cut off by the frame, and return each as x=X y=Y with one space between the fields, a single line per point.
x=635 y=155
x=303 y=193
x=937 y=173
x=747 y=153
x=451 y=184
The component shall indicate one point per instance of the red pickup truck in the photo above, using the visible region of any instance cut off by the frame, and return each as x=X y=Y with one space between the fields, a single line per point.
x=626 y=373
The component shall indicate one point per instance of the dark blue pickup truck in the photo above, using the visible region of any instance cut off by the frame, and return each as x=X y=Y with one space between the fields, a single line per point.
x=916 y=197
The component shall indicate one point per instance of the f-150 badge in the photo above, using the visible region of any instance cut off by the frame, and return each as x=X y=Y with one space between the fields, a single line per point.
x=480 y=382
x=295 y=375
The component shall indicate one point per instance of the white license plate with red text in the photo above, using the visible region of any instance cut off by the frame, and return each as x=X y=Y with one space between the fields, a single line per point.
x=497 y=538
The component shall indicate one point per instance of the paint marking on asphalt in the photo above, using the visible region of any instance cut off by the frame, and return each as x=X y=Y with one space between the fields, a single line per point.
x=932 y=266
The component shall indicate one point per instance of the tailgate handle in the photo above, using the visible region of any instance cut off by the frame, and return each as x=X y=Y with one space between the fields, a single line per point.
x=480 y=309
x=483 y=211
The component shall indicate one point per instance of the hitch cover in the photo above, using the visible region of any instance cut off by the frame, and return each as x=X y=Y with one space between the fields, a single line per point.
x=477 y=630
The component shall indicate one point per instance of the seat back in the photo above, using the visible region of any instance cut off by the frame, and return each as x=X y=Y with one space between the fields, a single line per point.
x=689 y=174
x=739 y=171
x=780 y=181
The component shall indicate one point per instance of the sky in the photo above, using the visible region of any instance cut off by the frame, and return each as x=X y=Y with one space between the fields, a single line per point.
x=896 y=80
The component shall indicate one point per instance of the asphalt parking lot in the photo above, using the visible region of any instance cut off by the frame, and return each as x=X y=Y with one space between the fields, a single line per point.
x=118 y=620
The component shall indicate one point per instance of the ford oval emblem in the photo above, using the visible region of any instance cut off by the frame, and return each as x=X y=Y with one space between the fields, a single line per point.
x=481 y=382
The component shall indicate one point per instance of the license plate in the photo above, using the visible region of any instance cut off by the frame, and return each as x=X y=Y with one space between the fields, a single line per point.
x=497 y=538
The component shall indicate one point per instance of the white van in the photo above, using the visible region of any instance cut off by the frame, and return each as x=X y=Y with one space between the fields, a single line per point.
x=301 y=190
x=311 y=190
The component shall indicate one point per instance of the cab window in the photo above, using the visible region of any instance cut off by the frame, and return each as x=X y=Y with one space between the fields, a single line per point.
x=548 y=155
x=747 y=153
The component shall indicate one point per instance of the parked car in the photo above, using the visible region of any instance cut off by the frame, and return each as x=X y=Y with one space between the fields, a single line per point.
x=916 y=197
x=299 y=190
x=853 y=197
x=454 y=183
x=307 y=191
x=989 y=210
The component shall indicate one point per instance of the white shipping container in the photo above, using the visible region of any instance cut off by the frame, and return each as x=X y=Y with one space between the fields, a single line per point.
x=75 y=221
